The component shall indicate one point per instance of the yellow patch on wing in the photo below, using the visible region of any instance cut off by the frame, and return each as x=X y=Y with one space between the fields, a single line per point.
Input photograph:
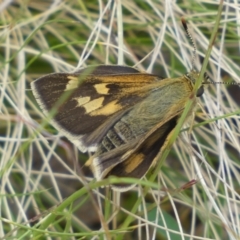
x=108 y=109
x=72 y=84
x=82 y=100
x=101 y=88
x=93 y=105
x=133 y=162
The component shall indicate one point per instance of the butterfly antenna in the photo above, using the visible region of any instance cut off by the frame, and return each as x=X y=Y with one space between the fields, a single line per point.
x=185 y=26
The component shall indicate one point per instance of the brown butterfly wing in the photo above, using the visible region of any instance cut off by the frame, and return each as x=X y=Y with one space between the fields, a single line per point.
x=90 y=99
x=135 y=158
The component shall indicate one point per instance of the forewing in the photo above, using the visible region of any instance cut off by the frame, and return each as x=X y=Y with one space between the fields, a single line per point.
x=90 y=100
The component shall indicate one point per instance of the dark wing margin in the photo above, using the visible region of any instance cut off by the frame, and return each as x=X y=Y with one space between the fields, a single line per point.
x=103 y=70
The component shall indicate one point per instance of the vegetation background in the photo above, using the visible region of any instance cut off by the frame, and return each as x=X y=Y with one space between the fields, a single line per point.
x=196 y=193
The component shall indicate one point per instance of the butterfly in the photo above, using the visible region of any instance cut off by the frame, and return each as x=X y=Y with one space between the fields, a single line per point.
x=122 y=116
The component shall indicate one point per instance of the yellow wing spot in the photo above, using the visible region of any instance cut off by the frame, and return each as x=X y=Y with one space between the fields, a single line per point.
x=82 y=100
x=102 y=88
x=72 y=84
x=133 y=162
x=93 y=105
x=108 y=109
